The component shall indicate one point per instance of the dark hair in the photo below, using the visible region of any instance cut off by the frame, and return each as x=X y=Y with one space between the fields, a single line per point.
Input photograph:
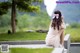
x=57 y=22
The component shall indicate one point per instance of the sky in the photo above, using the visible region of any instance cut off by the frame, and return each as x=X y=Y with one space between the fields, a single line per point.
x=3 y=0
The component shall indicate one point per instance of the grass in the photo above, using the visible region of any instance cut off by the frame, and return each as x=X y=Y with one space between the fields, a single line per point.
x=22 y=36
x=4 y=29
x=29 y=50
x=74 y=34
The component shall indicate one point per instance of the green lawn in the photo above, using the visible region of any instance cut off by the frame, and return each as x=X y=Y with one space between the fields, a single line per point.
x=74 y=34
x=29 y=50
x=22 y=36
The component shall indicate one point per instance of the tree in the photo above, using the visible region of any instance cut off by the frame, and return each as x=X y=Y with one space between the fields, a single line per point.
x=23 y=5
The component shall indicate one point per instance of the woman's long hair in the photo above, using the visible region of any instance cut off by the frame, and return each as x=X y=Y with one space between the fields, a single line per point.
x=57 y=22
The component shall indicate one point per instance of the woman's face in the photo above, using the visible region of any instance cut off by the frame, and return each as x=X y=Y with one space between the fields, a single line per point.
x=56 y=15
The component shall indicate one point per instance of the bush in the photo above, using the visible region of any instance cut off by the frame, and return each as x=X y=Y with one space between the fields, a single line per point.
x=5 y=20
x=75 y=25
x=38 y=21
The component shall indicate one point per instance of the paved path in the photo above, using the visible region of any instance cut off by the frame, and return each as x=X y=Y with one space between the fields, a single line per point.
x=30 y=46
x=23 y=42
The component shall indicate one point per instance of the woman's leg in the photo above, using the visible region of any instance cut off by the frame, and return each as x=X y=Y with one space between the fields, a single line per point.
x=62 y=38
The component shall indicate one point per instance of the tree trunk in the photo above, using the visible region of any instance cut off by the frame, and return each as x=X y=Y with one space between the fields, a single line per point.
x=13 y=16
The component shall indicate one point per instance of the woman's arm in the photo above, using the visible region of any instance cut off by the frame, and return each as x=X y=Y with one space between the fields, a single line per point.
x=61 y=32
x=62 y=37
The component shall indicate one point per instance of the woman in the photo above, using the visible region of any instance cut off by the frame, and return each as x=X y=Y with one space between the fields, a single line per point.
x=55 y=34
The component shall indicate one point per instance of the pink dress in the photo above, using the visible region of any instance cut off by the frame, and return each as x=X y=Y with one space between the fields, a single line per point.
x=53 y=36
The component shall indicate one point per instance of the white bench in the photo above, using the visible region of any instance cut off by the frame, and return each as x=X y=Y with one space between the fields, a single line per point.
x=67 y=42
x=66 y=45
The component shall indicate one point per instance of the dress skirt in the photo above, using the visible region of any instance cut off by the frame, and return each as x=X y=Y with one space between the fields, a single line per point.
x=53 y=38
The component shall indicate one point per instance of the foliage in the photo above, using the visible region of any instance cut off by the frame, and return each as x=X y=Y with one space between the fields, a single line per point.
x=34 y=21
x=4 y=6
x=5 y=20
x=75 y=25
x=73 y=29
x=26 y=21
x=23 y=5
